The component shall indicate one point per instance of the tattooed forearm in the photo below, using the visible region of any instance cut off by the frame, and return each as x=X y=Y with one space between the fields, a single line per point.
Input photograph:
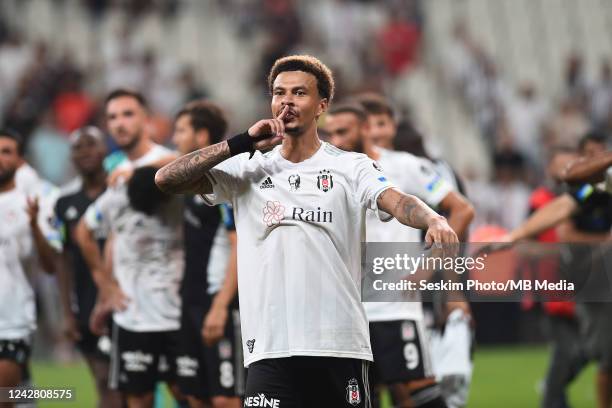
x=187 y=173
x=407 y=209
x=412 y=212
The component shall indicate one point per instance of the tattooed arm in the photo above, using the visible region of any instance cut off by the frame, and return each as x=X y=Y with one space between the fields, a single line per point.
x=187 y=174
x=411 y=211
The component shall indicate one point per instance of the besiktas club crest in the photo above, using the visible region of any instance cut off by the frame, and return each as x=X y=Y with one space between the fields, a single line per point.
x=352 y=392
x=325 y=181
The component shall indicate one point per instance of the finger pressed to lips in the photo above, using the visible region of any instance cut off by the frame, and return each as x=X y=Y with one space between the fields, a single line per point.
x=286 y=114
x=281 y=127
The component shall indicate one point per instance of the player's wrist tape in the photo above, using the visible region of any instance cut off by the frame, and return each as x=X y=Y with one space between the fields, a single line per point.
x=243 y=143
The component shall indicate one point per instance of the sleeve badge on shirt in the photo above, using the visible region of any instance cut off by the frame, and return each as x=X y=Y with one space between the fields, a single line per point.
x=435 y=184
x=376 y=166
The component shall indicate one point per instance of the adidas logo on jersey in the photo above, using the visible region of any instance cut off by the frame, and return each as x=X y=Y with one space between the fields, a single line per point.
x=267 y=183
x=251 y=345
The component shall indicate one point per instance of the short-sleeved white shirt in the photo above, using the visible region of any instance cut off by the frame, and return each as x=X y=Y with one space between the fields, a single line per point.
x=147 y=253
x=416 y=176
x=300 y=227
x=32 y=186
x=17 y=256
x=154 y=154
x=147 y=259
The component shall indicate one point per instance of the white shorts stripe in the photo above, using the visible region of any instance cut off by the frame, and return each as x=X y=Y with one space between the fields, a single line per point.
x=425 y=348
x=113 y=378
x=365 y=366
x=238 y=356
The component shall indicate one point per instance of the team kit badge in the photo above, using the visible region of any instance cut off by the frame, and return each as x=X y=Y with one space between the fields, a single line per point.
x=325 y=181
x=353 y=396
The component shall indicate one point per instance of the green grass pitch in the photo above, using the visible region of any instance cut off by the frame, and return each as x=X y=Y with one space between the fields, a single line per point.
x=503 y=377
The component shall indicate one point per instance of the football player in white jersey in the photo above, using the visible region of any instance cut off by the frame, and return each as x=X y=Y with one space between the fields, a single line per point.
x=400 y=347
x=454 y=314
x=144 y=247
x=300 y=218
x=77 y=289
x=126 y=119
x=147 y=267
x=22 y=236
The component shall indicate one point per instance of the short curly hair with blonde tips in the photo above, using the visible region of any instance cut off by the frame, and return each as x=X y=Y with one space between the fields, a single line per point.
x=309 y=64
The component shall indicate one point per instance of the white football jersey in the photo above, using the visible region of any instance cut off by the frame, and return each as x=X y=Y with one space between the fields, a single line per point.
x=416 y=176
x=32 y=185
x=147 y=259
x=147 y=253
x=218 y=260
x=300 y=227
x=17 y=253
x=154 y=154
x=27 y=180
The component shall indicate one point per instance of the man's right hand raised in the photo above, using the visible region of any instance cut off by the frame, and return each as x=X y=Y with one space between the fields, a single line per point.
x=269 y=132
x=187 y=174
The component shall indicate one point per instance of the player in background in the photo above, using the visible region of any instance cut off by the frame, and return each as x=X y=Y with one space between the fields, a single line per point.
x=582 y=216
x=77 y=289
x=147 y=267
x=23 y=236
x=401 y=351
x=587 y=227
x=210 y=365
x=569 y=354
x=28 y=181
x=126 y=119
x=451 y=329
x=577 y=173
x=126 y=114
x=298 y=205
x=453 y=373
x=382 y=131
x=593 y=169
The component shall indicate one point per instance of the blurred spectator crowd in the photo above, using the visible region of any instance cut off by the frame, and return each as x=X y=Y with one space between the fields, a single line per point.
x=47 y=90
x=520 y=126
x=46 y=93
